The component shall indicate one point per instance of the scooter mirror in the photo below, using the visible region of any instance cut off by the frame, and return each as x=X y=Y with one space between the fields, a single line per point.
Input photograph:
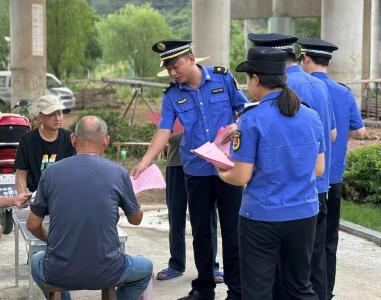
x=23 y=103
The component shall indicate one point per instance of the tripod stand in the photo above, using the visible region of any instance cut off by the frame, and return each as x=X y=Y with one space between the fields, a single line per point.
x=138 y=93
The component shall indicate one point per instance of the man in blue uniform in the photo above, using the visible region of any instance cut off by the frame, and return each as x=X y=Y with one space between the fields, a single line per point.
x=177 y=203
x=316 y=56
x=314 y=93
x=204 y=99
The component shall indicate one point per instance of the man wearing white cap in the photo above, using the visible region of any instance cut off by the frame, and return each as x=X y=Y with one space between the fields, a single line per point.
x=42 y=146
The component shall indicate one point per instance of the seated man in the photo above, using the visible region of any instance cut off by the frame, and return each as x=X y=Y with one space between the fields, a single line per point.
x=19 y=200
x=81 y=194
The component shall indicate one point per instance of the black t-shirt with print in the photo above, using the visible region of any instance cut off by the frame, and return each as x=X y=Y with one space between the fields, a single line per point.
x=35 y=154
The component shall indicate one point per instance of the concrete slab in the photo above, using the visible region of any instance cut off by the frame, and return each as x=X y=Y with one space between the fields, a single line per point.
x=358 y=275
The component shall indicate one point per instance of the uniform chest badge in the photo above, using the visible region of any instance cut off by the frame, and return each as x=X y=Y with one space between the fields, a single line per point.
x=182 y=100
x=218 y=90
x=236 y=140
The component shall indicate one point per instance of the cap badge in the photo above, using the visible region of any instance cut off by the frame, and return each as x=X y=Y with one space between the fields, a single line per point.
x=161 y=46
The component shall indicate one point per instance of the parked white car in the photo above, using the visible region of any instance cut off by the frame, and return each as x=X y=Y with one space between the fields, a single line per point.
x=53 y=86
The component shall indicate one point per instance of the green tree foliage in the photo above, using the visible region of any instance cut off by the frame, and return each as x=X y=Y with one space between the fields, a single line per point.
x=170 y=7
x=4 y=31
x=180 y=21
x=362 y=178
x=93 y=50
x=69 y=33
x=307 y=27
x=120 y=130
x=237 y=49
x=128 y=35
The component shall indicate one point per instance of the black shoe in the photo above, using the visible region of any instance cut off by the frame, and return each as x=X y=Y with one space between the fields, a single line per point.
x=196 y=295
x=232 y=296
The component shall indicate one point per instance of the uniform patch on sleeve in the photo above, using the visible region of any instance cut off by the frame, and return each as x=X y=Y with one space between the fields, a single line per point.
x=182 y=100
x=221 y=70
x=236 y=140
x=218 y=90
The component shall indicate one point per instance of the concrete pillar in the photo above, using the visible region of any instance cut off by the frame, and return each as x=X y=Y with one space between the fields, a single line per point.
x=375 y=53
x=280 y=22
x=211 y=30
x=342 y=24
x=28 y=49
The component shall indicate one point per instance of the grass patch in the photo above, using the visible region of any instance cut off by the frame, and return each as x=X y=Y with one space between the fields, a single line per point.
x=367 y=215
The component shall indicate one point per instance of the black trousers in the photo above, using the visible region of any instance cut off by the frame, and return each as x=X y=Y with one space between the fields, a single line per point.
x=318 y=262
x=204 y=192
x=263 y=245
x=176 y=198
x=332 y=236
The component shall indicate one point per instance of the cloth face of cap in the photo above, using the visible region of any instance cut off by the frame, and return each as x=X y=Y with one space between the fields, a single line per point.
x=264 y=60
x=274 y=40
x=48 y=104
x=169 y=50
x=317 y=47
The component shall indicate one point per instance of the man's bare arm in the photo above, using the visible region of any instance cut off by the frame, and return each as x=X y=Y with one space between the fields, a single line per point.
x=158 y=142
x=21 y=176
x=136 y=218
x=34 y=225
x=358 y=133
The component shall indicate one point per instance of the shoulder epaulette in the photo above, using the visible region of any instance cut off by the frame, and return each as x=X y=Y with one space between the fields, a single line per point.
x=305 y=104
x=344 y=85
x=171 y=85
x=249 y=106
x=220 y=70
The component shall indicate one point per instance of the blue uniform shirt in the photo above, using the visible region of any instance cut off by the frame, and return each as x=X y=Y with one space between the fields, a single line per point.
x=314 y=93
x=202 y=112
x=347 y=117
x=284 y=151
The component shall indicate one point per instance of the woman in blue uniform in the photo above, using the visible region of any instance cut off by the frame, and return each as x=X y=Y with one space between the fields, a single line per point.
x=278 y=151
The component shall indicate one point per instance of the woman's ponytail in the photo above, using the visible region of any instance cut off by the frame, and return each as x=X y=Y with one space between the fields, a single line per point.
x=288 y=102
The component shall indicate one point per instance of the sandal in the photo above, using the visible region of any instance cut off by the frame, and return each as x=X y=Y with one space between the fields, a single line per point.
x=218 y=276
x=168 y=273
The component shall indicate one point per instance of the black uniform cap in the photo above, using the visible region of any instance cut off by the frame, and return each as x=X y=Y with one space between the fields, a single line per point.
x=171 y=50
x=317 y=47
x=274 y=40
x=264 y=60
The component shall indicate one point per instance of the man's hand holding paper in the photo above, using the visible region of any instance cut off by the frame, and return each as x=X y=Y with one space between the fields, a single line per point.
x=150 y=178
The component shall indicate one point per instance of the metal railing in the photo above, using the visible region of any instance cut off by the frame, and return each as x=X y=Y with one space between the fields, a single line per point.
x=370 y=104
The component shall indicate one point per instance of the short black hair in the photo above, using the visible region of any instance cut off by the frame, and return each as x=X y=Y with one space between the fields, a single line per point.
x=319 y=60
x=291 y=56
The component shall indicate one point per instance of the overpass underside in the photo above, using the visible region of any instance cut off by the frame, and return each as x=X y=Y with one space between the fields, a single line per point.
x=353 y=25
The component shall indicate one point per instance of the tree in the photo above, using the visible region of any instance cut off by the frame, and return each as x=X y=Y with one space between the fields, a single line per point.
x=4 y=31
x=180 y=21
x=69 y=27
x=128 y=35
x=237 y=48
x=307 y=27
